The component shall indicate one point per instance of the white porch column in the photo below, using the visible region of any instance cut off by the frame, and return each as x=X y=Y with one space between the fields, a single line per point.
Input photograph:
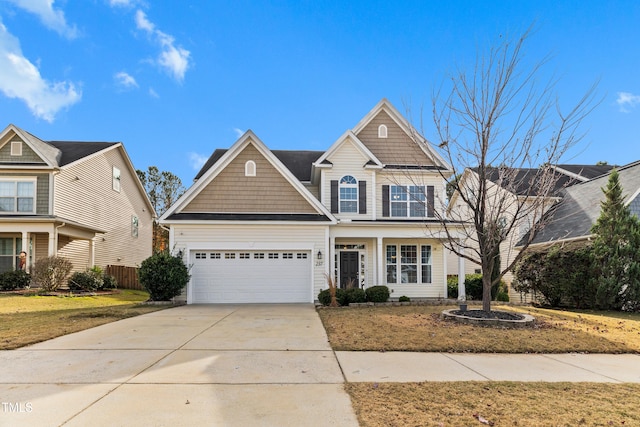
x=25 y=248
x=380 y=262
x=462 y=294
x=53 y=243
x=331 y=255
x=92 y=252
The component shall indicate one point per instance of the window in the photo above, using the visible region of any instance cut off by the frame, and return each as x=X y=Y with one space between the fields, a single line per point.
x=10 y=248
x=250 y=168
x=18 y=196
x=201 y=255
x=412 y=269
x=348 y=194
x=259 y=255
x=244 y=255
x=301 y=255
x=116 y=179
x=229 y=255
x=425 y=260
x=392 y=264
x=273 y=255
x=134 y=226
x=214 y=255
x=16 y=148
x=382 y=131
x=287 y=256
x=408 y=201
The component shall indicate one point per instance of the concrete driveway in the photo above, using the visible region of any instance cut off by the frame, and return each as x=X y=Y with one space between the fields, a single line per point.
x=213 y=365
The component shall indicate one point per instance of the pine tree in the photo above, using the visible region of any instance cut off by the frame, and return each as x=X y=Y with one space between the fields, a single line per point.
x=616 y=251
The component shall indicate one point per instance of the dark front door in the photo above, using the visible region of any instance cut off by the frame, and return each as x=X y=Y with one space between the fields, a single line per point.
x=349 y=270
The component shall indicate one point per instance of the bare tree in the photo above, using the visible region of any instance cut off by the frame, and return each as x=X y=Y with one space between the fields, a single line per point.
x=493 y=121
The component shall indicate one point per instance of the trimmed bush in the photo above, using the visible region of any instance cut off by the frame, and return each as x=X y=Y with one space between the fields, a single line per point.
x=14 y=279
x=163 y=275
x=51 y=272
x=473 y=286
x=353 y=295
x=84 y=281
x=324 y=297
x=404 y=298
x=452 y=286
x=377 y=294
x=109 y=282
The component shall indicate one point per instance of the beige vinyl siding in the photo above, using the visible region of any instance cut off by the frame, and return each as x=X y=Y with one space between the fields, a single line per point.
x=42 y=188
x=90 y=200
x=41 y=246
x=28 y=155
x=348 y=160
x=77 y=251
x=409 y=179
x=256 y=237
x=397 y=149
x=233 y=192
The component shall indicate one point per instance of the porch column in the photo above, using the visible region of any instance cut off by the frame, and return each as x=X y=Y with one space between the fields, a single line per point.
x=462 y=294
x=25 y=247
x=379 y=262
x=53 y=243
x=92 y=252
x=331 y=254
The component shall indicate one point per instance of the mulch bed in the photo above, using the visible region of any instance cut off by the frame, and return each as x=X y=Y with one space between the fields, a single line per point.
x=493 y=314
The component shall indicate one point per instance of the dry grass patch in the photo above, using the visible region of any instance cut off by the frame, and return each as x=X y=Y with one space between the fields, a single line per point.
x=30 y=319
x=499 y=403
x=420 y=328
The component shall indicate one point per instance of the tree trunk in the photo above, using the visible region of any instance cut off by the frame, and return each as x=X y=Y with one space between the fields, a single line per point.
x=486 y=291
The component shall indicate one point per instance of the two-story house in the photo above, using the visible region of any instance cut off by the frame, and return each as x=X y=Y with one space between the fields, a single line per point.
x=270 y=226
x=79 y=200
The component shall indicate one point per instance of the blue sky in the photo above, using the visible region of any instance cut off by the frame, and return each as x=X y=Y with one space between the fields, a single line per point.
x=173 y=80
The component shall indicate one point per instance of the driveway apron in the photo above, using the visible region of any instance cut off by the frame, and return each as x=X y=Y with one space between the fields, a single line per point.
x=197 y=365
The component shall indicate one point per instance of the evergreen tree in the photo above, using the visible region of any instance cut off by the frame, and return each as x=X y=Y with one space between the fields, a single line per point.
x=616 y=251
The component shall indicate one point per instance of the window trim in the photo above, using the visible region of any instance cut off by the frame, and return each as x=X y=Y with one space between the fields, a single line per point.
x=399 y=263
x=408 y=199
x=15 y=181
x=351 y=186
x=16 y=148
x=116 y=179
x=250 y=168
x=383 y=131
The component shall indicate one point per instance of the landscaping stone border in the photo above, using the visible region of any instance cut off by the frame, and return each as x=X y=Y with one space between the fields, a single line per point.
x=526 y=321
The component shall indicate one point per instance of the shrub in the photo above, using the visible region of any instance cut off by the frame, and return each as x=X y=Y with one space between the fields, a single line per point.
x=163 y=275
x=377 y=293
x=502 y=296
x=51 y=272
x=473 y=286
x=14 y=279
x=324 y=297
x=353 y=295
x=85 y=281
x=109 y=282
x=404 y=298
x=452 y=286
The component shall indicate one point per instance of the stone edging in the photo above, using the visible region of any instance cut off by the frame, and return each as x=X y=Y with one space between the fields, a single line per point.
x=526 y=321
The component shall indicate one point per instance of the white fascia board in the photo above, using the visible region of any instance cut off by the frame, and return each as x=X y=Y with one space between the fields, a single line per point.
x=27 y=139
x=239 y=222
x=348 y=135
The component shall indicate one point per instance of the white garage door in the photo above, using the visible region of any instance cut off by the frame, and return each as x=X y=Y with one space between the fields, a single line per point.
x=251 y=277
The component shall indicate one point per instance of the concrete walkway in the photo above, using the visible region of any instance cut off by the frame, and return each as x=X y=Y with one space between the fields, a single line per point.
x=186 y=366
x=251 y=365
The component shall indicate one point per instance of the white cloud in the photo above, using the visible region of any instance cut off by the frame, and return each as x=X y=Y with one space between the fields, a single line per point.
x=626 y=101
x=174 y=59
x=153 y=93
x=20 y=79
x=197 y=160
x=239 y=132
x=125 y=80
x=51 y=17
x=122 y=3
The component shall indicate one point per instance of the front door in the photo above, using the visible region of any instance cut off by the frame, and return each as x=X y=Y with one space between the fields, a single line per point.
x=349 y=270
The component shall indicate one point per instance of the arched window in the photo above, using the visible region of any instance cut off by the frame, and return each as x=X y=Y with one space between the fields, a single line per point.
x=382 y=131
x=348 y=194
x=250 y=168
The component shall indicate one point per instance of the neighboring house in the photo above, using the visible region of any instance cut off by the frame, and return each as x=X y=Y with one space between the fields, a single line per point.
x=521 y=185
x=571 y=220
x=79 y=200
x=270 y=226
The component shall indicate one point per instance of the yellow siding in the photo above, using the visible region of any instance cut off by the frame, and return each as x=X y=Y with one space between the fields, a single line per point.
x=233 y=192
x=91 y=200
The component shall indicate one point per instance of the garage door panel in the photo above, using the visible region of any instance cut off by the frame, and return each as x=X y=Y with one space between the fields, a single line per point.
x=251 y=277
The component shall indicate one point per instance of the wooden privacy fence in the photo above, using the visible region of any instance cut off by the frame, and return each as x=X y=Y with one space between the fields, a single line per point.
x=127 y=277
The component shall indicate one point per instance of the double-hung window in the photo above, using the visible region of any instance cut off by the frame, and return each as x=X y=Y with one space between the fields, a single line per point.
x=409 y=201
x=348 y=194
x=18 y=196
x=410 y=266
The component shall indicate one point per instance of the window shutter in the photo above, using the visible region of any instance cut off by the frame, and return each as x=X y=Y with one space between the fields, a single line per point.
x=362 y=196
x=385 y=200
x=334 y=196
x=430 y=201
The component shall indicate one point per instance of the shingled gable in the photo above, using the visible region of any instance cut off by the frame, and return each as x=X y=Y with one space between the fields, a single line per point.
x=403 y=145
x=41 y=153
x=226 y=192
x=348 y=137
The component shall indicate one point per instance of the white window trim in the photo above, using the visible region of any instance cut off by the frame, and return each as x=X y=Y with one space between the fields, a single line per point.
x=357 y=200
x=34 y=181
x=116 y=179
x=250 y=168
x=408 y=201
x=383 y=131
x=16 y=148
x=398 y=264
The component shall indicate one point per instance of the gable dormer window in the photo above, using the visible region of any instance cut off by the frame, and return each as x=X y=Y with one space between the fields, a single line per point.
x=250 y=168
x=16 y=148
x=382 y=131
x=348 y=186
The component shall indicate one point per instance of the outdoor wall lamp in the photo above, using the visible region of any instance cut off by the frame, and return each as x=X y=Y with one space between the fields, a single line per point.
x=319 y=255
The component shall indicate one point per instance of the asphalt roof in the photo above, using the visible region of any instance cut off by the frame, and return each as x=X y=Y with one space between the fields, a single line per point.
x=587 y=171
x=76 y=150
x=297 y=161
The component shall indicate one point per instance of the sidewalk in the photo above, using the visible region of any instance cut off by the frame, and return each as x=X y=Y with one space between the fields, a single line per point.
x=419 y=367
